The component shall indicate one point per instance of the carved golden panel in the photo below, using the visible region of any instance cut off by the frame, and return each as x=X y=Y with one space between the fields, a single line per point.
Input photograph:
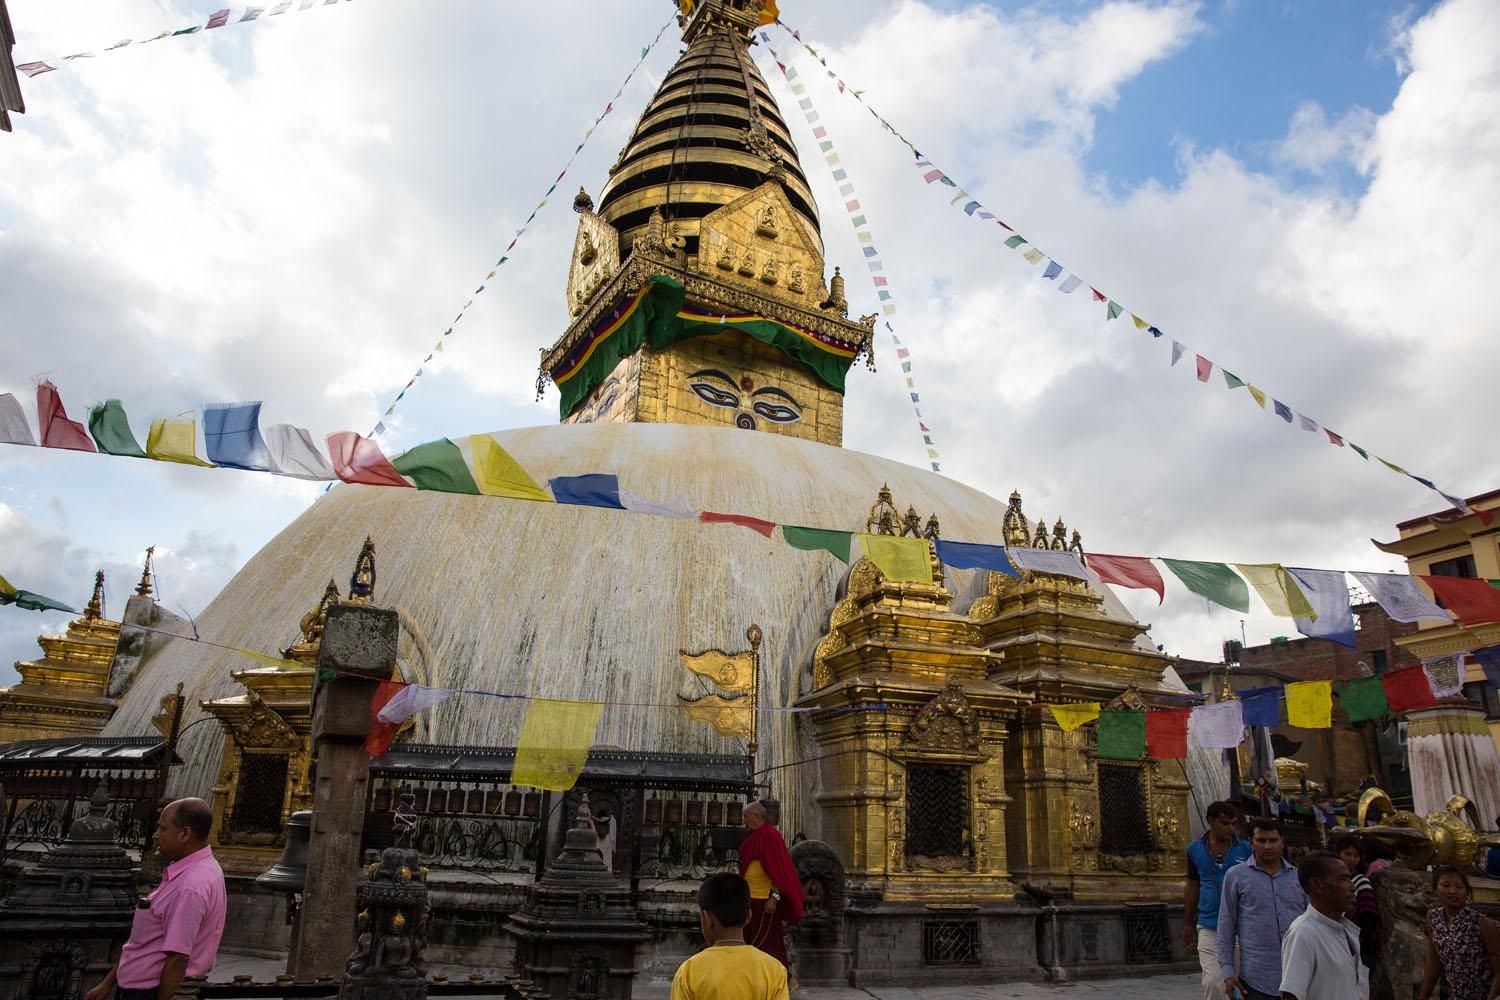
x=760 y=241
x=596 y=259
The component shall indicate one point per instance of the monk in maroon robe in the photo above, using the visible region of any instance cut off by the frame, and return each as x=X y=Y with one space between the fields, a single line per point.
x=775 y=889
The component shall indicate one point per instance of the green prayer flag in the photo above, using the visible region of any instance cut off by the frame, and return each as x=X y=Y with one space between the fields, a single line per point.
x=1232 y=380
x=111 y=431
x=1363 y=699
x=1114 y=309
x=812 y=539
x=1015 y=241
x=1122 y=735
x=28 y=601
x=1212 y=580
x=438 y=466
x=1362 y=453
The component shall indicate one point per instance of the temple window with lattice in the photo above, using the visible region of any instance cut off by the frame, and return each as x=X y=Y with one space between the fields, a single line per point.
x=260 y=794
x=1124 y=814
x=937 y=811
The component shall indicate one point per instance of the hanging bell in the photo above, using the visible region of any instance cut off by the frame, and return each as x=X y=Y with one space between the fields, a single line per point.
x=289 y=873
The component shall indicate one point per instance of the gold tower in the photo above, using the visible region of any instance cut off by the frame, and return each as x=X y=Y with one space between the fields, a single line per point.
x=697 y=289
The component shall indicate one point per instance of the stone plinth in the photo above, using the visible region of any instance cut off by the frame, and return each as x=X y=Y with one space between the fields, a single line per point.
x=577 y=932
x=61 y=929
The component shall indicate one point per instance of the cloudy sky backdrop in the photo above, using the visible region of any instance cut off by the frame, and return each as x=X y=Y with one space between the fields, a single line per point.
x=293 y=210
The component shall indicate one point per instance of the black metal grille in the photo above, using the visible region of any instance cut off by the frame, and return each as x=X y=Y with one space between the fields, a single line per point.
x=260 y=794
x=1123 y=824
x=936 y=810
x=1146 y=936
x=950 y=942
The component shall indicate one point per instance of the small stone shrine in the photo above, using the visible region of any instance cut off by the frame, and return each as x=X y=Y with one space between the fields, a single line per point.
x=577 y=932
x=63 y=926
x=390 y=931
x=818 y=943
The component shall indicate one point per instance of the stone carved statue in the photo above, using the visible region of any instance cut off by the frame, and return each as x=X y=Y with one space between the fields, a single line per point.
x=726 y=256
x=765 y=222
x=818 y=942
x=1403 y=898
x=795 y=280
x=770 y=271
x=386 y=963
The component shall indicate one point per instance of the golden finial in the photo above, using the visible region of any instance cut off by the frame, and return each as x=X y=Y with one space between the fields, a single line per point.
x=582 y=202
x=362 y=581
x=883 y=518
x=836 y=300
x=911 y=524
x=933 y=530
x=95 y=609
x=1039 y=540
x=1059 y=536
x=145 y=587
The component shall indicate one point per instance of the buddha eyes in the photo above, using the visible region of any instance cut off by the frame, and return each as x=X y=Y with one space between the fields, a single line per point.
x=778 y=413
x=713 y=395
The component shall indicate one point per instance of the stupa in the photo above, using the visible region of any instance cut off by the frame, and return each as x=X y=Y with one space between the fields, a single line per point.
x=706 y=356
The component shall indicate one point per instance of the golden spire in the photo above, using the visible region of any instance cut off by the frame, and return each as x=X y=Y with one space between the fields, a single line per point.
x=306 y=649
x=95 y=609
x=145 y=587
x=362 y=582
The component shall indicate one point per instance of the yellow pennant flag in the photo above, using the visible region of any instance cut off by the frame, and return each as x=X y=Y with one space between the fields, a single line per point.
x=769 y=12
x=1393 y=467
x=1033 y=256
x=1070 y=717
x=1260 y=397
x=270 y=661
x=1309 y=704
x=730 y=716
x=174 y=439
x=900 y=560
x=734 y=672
x=5 y=586
x=1277 y=588
x=554 y=743
x=500 y=475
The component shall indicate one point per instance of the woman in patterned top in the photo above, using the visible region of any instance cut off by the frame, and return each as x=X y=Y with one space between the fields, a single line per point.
x=1463 y=945
x=1363 y=913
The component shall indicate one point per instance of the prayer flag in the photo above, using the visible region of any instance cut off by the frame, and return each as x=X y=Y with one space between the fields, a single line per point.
x=231 y=436
x=1277 y=589
x=1070 y=717
x=1262 y=706
x=294 y=455
x=496 y=473
x=1408 y=690
x=554 y=743
x=33 y=69
x=900 y=560
x=594 y=490
x=1121 y=735
x=14 y=428
x=1489 y=662
x=251 y=13
x=1166 y=733
x=1220 y=726
x=1399 y=596
x=728 y=716
x=1177 y=348
x=1098 y=295
x=1232 y=380
x=1328 y=593
x=932 y=175
x=1053 y=270
x=174 y=439
x=1282 y=410
x=1362 y=453
x=1140 y=324
x=437 y=466
x=970 y=208
x=381 y=733
x=1015 y=241
x=972 y=555
x=27 y=601
x=111 y=430
x=218 y=18
x=1033 y=255
x=1113 y=310
x=1070 y=283
x=1258 y=396
x=1212 y=580
x=1363 y=699
x=1306 y=423
x=1473 y=602
x=728 y=671
x=1444 y=676
x=357 y=459
x=411 y=699
x=1135 y=572
x=744 y=520
x=1393 y=467
x=1309 y=704
x=814 y=539
x=1154 y=332
x=57 y=431
x=677 y=507
x=1047 y=561
x=1333 y=438
x=267 y=660
x=1205 y=368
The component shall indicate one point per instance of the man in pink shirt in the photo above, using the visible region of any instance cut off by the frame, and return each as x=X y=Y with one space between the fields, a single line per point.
x=177 y=928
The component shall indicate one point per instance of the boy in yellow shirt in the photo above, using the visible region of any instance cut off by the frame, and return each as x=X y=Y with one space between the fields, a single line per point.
x=728 y=969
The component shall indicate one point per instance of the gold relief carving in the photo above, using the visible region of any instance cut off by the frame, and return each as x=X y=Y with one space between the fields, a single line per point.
x=769 y=273
x=596 y=259
x=1166 y=830
x=1132 y=864
x=795 y=281
x=765 y=221
x=947 y=723
x=726 y=256
x=747 y=263
x=170 y=704
x=1083 y=827
x=775 y=242
x=260 y=727
x=984 y=607
x=896 y=839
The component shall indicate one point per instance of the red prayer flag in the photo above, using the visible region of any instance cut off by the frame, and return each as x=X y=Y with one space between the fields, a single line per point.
x=1408 y=689
x=219 y=18
x=1205 y=368
x=753 y=523
x=932 y=175
x=57 y=431
x=1098 y=295
x=1128 y=571
x=358 y=459
x=1166 y=733
x=1473 y=602
x=1333 y=438
x=381 y=733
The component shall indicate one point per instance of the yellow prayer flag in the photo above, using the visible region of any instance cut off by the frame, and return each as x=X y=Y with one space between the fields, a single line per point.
x=554 y=743
x=498 y=474
x=270 y=661
x=1140 y=324
x=1309 y=704
x=1277 y=588
x=5 y=586
x=730 y=716
x=900 y=560
x=174 y=439
x=768 y=12
x=1033 y=256
x=1070 y=717
x=1393 y=467
x=1260 y=397
x=734 y=672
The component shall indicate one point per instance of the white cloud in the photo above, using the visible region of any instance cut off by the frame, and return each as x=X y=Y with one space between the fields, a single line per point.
x=1314 y=144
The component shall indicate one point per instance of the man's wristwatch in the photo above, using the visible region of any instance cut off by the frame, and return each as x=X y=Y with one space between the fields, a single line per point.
x=776 y=895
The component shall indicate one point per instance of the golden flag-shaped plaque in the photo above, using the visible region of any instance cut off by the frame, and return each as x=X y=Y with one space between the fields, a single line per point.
x=729 y=672
x=730 y=716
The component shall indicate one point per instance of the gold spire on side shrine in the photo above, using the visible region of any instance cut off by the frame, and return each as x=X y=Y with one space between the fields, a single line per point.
x=146 y=587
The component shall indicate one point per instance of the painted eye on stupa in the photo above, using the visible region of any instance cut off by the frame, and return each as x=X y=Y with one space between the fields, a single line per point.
x=714 y=387
x=779 y=408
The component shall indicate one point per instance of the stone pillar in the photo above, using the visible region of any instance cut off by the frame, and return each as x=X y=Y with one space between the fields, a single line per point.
x=359 y=646
x=63 y=926
x=1452 y=753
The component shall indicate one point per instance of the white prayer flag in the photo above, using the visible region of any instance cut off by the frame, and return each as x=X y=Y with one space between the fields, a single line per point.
x=1220 y=726
x=1177 y=348
x=1307 y=425
x=410 y=700
x=1071 y=282
x=1444 y=676
x=1400 y=597
x=677 y=507
x=1047 y=561
x=293 y=454
x=14 y=428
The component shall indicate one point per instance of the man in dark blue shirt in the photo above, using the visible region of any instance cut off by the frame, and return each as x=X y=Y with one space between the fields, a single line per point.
x=1208 y=858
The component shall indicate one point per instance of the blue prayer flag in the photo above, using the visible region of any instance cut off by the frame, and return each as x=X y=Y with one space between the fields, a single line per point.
x=231 y=434
x=1328 y=594
x=869 y=251
x=593 y=490
x=1153 y=331
x=970 y=207
x=1261 y=706
x=971 y=555
x=1282 y=410
x=1053 y=269
x=914 y=398
x=1489 y=662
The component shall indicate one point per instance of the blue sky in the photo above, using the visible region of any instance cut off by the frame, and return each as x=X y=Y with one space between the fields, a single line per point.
x=294 y=211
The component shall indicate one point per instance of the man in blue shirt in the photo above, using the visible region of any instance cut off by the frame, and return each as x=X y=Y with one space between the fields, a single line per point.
x=1258 y=902
x=1208 y=858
